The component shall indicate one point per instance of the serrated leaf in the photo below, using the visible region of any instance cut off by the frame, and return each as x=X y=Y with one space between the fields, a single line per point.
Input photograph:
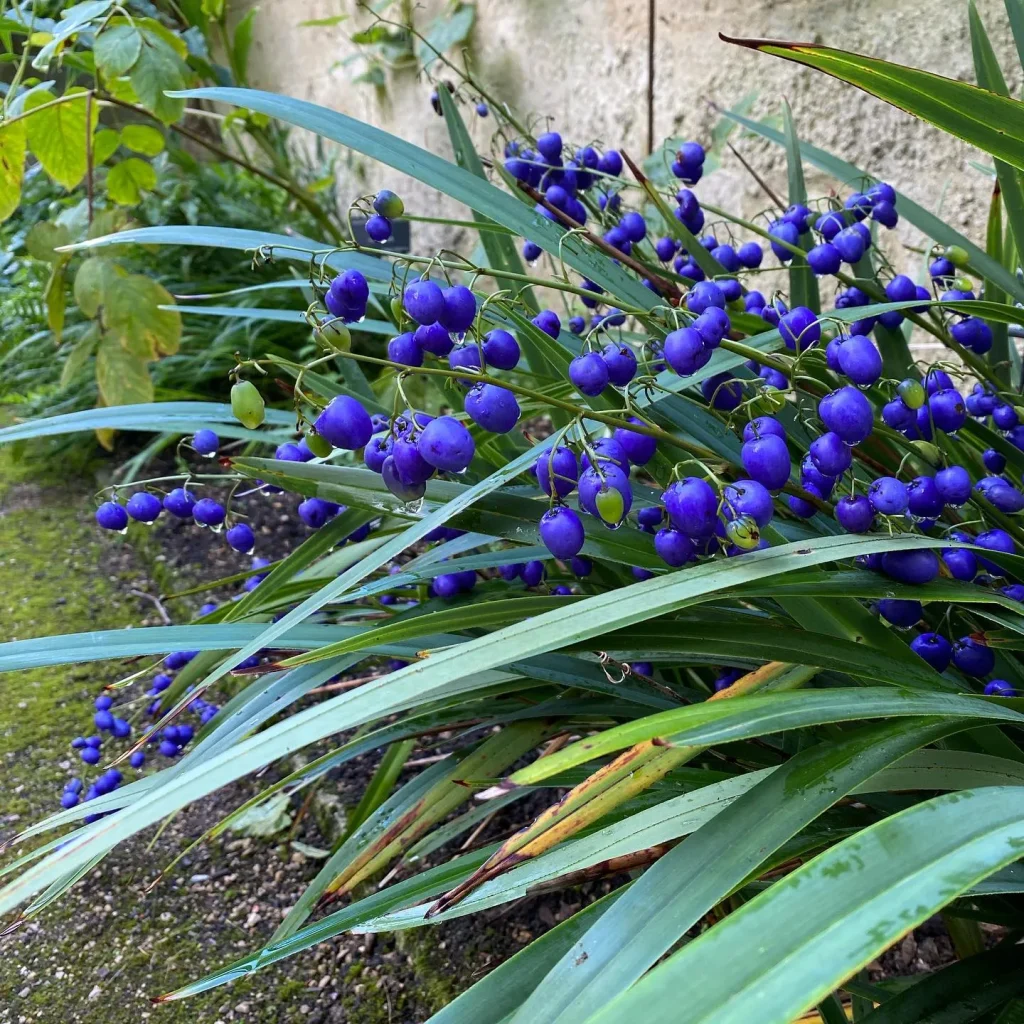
x=123 y=378
x=44 y=237
x=12 y=166
x=142 y=138
x=157 y=70
x=92 y=281
x=117 y=48
x=104 y=145
x=139 y=312
x=128 y=179
x=56 y=135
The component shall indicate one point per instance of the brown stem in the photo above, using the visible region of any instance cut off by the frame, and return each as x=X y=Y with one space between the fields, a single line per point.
x=668 y=287
x=293 y=190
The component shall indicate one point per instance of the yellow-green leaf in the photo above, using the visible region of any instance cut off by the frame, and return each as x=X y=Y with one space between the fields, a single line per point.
x=121 y=376
x=92 y=281
x=79 y=356
x=12 y=166
x=54 y=297
x=107 y=222
x=213 y=8
x=104 y=143
x=56 y=135
x=132 y=314
x=44 y=238
x=128 y=179
x=117 y=48
x=142 y=138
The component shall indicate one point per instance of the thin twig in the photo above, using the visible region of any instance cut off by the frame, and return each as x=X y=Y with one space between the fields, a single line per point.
x=155 y=601
x=757 y=177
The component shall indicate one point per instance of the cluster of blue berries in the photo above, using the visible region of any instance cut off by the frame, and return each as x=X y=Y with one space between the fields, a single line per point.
x=169 y=742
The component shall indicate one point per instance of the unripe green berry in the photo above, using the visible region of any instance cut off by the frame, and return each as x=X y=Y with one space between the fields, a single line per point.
x=957 y=255
x=318 y=445
x=912 y=392
x=743 y=532
x=247 y=404
x=387 y=204
x=397 y=310
x=610 y=506
x=336 y=335
x=963 y=283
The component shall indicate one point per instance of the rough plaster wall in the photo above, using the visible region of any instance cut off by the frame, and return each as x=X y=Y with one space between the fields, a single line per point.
x=582 y=68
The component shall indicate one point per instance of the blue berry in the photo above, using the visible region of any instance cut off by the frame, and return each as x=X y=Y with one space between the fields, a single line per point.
x=692 y=505
x=620 y=363
x=558 y=465
x=800 y=328
x=90 y=755
x=860 y=360
x=459 y=309
x=112 y=516
x=855 y=514
x=241 y=538
x=378 y=228
x=562 y=532
x=501 y=350
x=589 y=373
x=766 y=460
x=888 y=496
x=208 y=512
x=314 y=512
x=916 y=567
x=847 y=413
x=972 y=657
x=344 y=423
x=900 y=613
x=533 y=573
x=405 y=349
x=639 y=448
x=494 y=408
x=830 y=455
x=447 y=445
x=423 y=301
x=999 y=688
x=205 y=442
x=144 y=507
x=935 y=649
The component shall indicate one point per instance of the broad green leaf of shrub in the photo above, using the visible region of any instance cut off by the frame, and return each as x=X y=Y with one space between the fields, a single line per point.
x=104 y=144
x=142 y=138
x=73 y=20
x=12 y=166
x=121 y=376
x=445 y=31
x=92 y=281
x=132 y=313
x=117 y=49
x=128 y=179
x=158 y=68
x=79 y=356
x=55 y=299
x=44 y=238
x=56 y=135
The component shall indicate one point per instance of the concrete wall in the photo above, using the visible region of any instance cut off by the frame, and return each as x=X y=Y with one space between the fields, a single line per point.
x=582 y=67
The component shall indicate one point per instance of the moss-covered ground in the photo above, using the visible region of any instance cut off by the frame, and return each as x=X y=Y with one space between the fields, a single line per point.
x=100 y=953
